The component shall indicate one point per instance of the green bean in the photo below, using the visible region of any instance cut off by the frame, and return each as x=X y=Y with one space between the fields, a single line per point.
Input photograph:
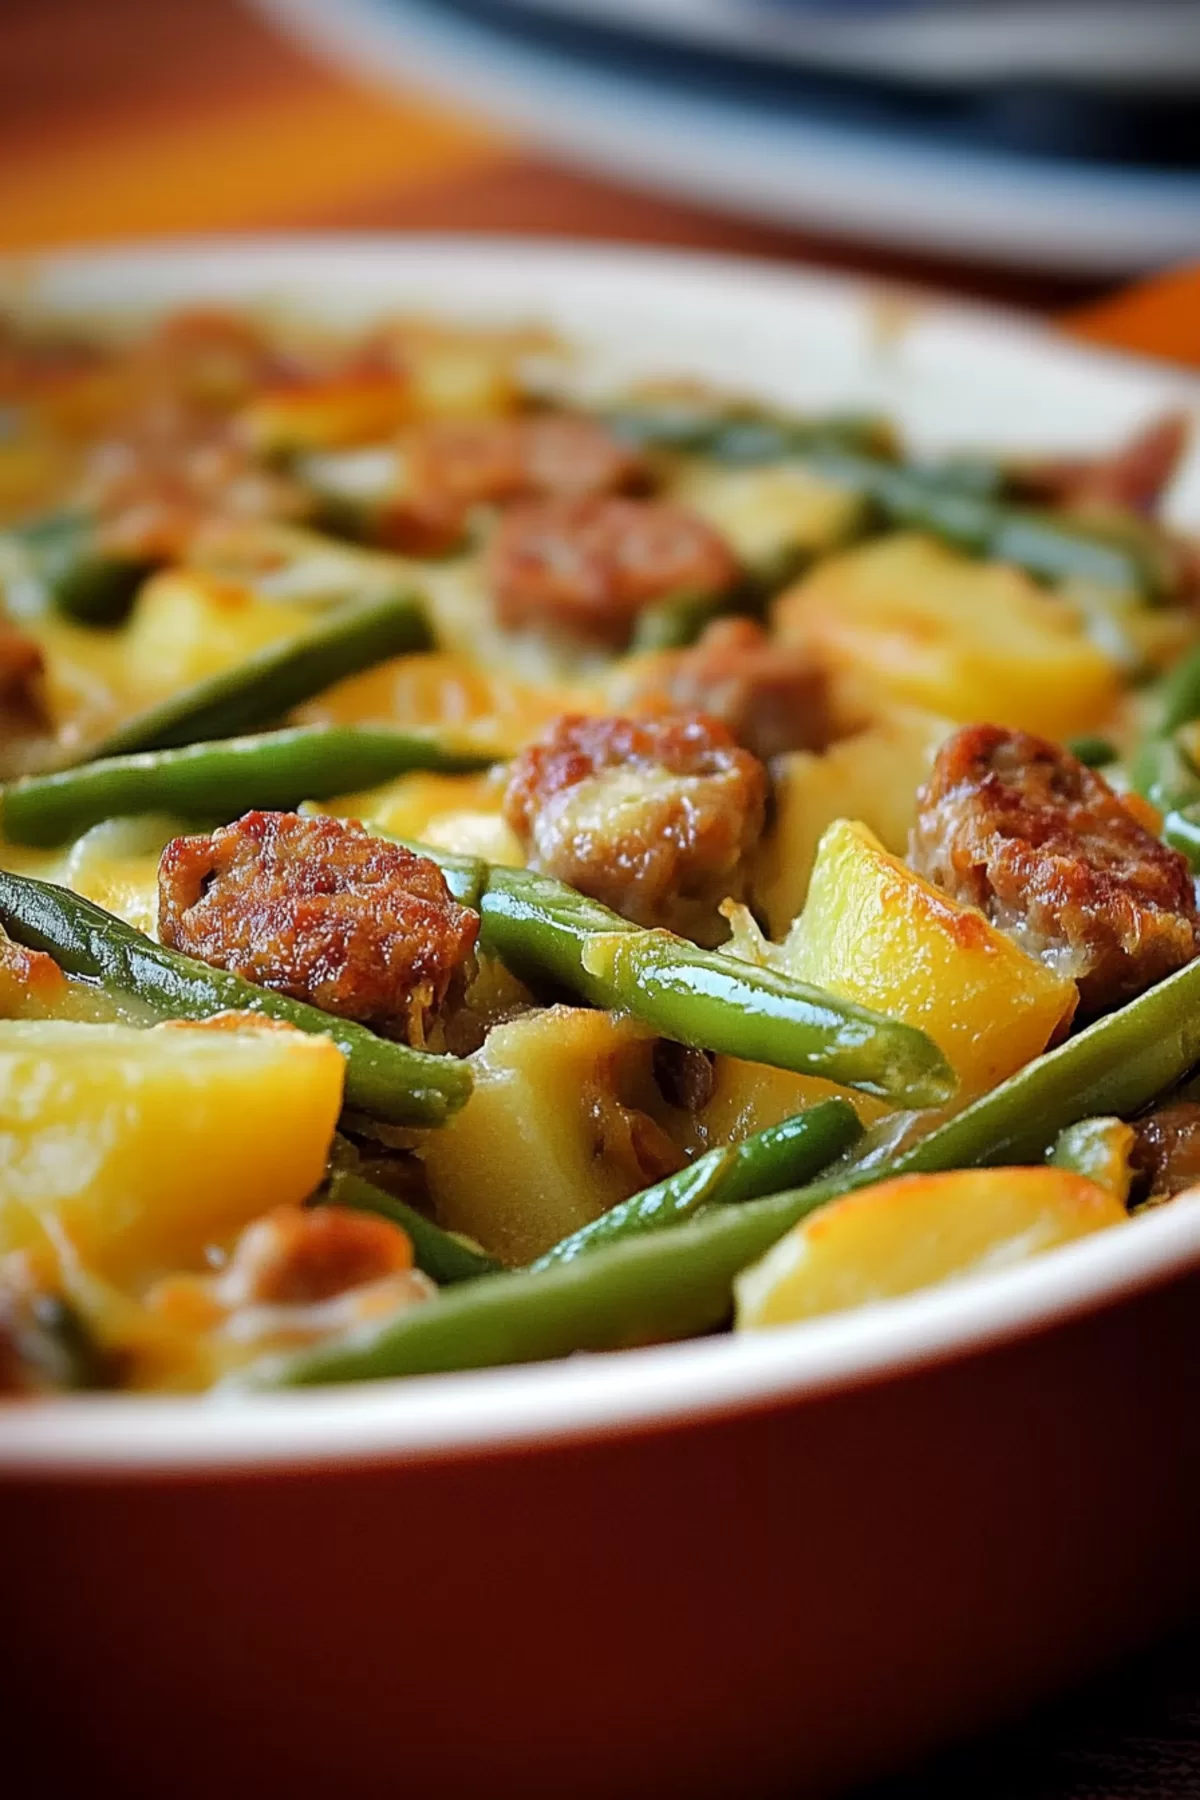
x=1099 y=1149
x=1179 y=699
x=444 y=1257
x=964 y=505
x=704 y=998
x=269 y=683
x=781 y=1156
x=1094 y=752
x=675 y=622
x=743 y=435
x=1047 y=545
x=672 y=1284
x=679 y=619
x=64 y=562
x=1165 y=776
x=387 y=1080
x=217 y=781
x=465 y=876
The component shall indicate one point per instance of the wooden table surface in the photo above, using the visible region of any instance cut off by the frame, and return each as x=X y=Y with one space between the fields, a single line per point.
x=132 y=118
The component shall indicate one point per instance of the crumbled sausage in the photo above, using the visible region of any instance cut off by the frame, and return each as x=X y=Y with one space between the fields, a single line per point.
x=587 y=567
x=1166 y=1151
x=22 y=699
x=299 y=1256
x=1018 y=827
x=452 y=465
x=774 y=696
x=654 y=817
x=319 y=909
x=31 y=983
x=1132 y=478
x=164 y=477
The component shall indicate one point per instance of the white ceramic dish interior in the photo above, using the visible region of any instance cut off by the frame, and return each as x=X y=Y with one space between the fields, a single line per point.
x=953 y=377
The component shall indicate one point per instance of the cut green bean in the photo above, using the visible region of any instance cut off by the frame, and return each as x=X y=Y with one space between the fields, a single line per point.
x=1163 y=774
x=705 y=998
x=954 y=503
x=1047 y=545
x=673 y=1284
x=218 y=781
x=1098 y=1149
x=781 y=1156
x=84 y=582
x=268 y=684
x=1094 y=752
x=744 y=435
x=465 y=876
x=386 y=1080
x=1180 y=695
x=675 y=622
x=443 y=1257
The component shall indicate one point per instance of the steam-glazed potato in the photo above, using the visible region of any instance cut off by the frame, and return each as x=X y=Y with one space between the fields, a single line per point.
x=916 y=1232
x=877 y=933
x=926 y=626
x=134 y=1150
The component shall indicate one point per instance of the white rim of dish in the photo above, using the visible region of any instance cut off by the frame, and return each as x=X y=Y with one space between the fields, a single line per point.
x=584 y=1397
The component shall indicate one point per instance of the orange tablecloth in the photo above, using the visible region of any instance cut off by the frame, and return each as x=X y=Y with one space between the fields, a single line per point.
x=128 y=118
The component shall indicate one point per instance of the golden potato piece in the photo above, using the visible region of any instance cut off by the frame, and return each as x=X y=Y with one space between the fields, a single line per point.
x=876 y=932
x=134 y=1150
x=873 y=776
x=916 y=1232
x=187 y=625
x=925 y=626
x=555 y=1132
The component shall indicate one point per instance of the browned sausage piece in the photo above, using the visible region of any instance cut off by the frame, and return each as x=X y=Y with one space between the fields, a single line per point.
x=169 y=472
x=299 y=1256
x=651 y=816
x=773 y=696
x=1016 y=826
x=318 y=909
x=455 y=464
x=587 y=567
x=1132 y=478
x=22 y=700
x=1167 y=1151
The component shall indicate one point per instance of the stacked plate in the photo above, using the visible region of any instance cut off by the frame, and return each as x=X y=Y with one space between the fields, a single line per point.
x=1054 y=133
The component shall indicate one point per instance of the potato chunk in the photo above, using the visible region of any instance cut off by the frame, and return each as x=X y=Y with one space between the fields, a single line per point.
x=187 y=626
x=139 y=1148
x=878 y=933
x=916 y=1232
x=928 y=627
x=873 y=776
x=767 y=513
x=555 y=1132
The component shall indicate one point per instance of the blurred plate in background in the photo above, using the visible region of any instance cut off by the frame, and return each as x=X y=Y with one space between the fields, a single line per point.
x=1101 y=42
x=757 y=136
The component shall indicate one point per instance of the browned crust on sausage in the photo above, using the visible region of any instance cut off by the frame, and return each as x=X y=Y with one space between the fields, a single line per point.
x=298 y=1256
x=1166 y=1152
x=321 y=910
x=774 y=696
x=1016 y=826
x=30 y=975
x=1132 y=478
x=23 y=708
x=453 y=465
x=654 y=816
x=587 y=567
